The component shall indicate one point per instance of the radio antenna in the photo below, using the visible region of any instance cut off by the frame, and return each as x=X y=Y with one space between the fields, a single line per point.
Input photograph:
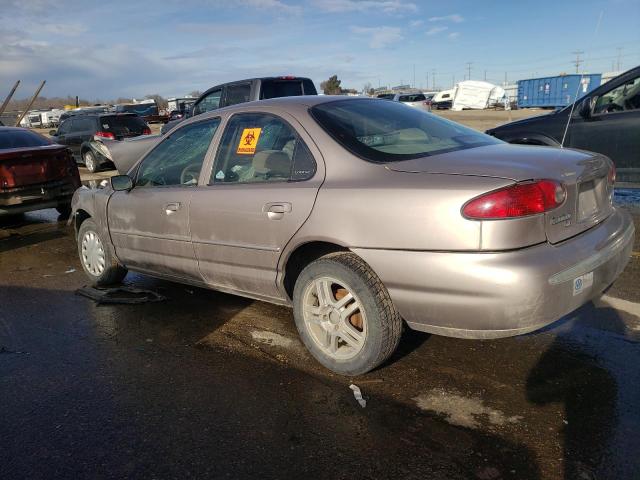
x=575 y=97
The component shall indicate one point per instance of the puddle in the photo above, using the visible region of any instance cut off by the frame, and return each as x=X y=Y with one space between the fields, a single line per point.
x=469 y=412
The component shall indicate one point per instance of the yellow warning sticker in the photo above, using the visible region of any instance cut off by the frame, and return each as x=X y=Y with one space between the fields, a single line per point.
x=248 y=141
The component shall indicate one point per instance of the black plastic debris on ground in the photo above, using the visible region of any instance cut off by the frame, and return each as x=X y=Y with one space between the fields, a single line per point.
x=122 y=295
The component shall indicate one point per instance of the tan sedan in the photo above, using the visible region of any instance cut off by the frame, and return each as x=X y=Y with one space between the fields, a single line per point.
x=364 y=215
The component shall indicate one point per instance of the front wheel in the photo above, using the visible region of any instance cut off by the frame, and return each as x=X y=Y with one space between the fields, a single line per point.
x=344 y=314
x=96 y=258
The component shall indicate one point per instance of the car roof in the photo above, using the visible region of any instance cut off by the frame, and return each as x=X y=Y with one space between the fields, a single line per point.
x=6 y=128
x=247 y=80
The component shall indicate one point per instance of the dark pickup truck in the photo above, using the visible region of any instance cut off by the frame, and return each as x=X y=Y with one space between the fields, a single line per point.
x=246 y=91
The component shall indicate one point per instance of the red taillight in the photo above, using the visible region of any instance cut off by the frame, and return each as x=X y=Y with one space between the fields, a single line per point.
x=288 y=77
x=517 y=200
x=105 y=135
x=146 y=131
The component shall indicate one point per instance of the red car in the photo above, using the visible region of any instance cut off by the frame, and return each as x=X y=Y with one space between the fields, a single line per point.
x=35 y=173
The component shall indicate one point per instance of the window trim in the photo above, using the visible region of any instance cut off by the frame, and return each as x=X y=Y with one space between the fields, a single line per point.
x=213 y=183
x=594 y=99
x=204 y=160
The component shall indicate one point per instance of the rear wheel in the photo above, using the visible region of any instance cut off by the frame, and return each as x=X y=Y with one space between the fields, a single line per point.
x=90 y=161
x=344 y=314
x=96 y=258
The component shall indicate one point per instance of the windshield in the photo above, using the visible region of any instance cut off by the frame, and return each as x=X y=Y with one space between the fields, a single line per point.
x=382 y=131
x=21 y=139
x=387 y=96
x=412 y=98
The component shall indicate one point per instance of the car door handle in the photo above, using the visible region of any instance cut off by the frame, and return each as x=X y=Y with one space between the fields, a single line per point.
x=171 y=208
x=276 y=210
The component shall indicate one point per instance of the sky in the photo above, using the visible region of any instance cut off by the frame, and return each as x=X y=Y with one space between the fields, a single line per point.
x=105 y=50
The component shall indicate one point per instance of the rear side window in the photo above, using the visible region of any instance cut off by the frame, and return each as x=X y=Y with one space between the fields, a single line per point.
x=83 y=124
x=237 y=94
x=123 y=125
x=259 y=148
x=21 y=139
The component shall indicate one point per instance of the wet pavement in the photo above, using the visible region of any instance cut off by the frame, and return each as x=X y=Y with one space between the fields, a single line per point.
x=206 y=384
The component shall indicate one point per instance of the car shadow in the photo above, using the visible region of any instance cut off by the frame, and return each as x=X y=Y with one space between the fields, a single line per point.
x=572 y=374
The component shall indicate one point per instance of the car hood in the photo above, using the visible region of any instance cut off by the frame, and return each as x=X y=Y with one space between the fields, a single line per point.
x=513 y=162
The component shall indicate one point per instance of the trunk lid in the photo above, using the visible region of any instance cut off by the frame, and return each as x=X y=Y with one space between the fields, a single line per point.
x=21 y=167
x=584 y=175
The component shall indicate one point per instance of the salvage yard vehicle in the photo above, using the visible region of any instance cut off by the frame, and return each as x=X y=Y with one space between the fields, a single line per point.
x=83 y=134
x=606 y=120
x=243 y=91
x=364 y=216
x=416 y=100
x=34 y=173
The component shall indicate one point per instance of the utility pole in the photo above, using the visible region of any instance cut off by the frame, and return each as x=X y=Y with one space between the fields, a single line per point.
x=33 y=99
x=505 y=78
x=469 y=70
x=619 y=64
x=453 y=80
x=433 y=77
x=6 y=100
x=485 y=75
x=414 y=75
x=578 y=61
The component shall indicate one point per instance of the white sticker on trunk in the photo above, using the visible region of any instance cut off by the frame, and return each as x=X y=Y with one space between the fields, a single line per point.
x=582 y=283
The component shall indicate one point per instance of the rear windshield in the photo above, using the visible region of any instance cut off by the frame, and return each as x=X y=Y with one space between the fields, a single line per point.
x=381 y=131
x=286 y=88
x=123 y=124
x=21 y=139
x=412 y=98
x=387 y=96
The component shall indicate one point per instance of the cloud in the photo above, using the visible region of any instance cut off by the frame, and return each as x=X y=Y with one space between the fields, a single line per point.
x=453 y=35
x=436 y=30
x=415 y=23
x=454 y=17
x=276 y=5
x=380 y=37
x=386 y=6
x=68 y=30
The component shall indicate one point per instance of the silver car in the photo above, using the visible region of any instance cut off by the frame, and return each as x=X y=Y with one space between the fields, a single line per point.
x=364 y=216
x=416 y=100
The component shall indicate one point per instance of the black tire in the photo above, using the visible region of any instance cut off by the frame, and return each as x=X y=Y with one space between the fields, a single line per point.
x=113 y=272
x=384 y=324
x=64 y=210
x=90 y=161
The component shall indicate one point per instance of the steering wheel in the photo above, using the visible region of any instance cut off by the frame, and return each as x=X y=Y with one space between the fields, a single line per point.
x=190 y=174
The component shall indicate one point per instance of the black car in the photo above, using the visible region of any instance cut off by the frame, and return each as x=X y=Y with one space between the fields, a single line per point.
x=246 y=91
x=606 y=120
x=83 y=134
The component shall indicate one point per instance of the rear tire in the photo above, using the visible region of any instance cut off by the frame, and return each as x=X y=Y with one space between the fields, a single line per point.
x=90 y=161
x=344 y=314
x=96 y=258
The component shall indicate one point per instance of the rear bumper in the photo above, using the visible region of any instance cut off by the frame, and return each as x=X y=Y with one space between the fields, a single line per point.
x=36 y=197
x=502 y=294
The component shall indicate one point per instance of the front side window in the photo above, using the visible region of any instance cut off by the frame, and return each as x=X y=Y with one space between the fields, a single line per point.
x=238 y=94
x=258 y=147
x=381 y=131
x=65 y=127
x=178 y=159
x=208 y=103
x=624 y=97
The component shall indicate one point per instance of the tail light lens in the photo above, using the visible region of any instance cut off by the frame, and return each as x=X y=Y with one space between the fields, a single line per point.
x=146 y=131
x=519 y=200
x=105 y=135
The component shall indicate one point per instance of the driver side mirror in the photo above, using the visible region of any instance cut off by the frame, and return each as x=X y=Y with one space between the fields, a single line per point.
x=585 y=108
x=121 y=183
